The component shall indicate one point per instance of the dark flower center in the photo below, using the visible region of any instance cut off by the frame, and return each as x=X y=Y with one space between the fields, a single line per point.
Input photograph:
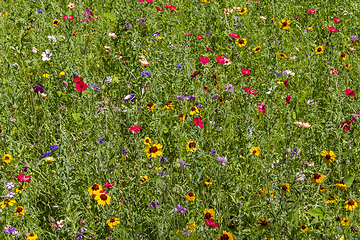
x=143 y=179
x=351 y=202
x=153 y=149
x=317 y=176
x=284 y=187
x=225 y=237
x=193 y=109
x=208 y=215
x=257 y=49
x=56 y=22
x=303 y=227
x=254 y=151
x=95 y=187
x=328 y=157
x=147 y=140
x=319 y=49
x=241 y=41
x=19 y=209
x=284 y=24
x=192 y=145
x=343 y=55
x=7 y=158
x=112 y=220
x=6 y=201
x=191 y=194
x=32 y=234
x=103 y=197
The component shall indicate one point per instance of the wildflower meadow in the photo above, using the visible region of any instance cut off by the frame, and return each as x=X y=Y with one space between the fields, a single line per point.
x=189 y=119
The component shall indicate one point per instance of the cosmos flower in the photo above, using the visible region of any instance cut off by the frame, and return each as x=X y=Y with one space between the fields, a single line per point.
x=284 y=24
x=285 y=188
x=134 y=129
x=154 y=150
x=332 y=29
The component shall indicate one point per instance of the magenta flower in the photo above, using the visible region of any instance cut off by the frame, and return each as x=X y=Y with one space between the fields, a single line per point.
x=198 y=122
x=204 y=60
x=261 y=107
x=245 y=71
x=288 y=99
x=135 y=129
x=250 y=91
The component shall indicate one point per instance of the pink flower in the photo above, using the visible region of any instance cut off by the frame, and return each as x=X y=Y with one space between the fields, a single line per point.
x=135 y=129
x=332 y=29
x=141 y=0
x=55 y=226
x=198 y=122
x=234 y=35
x=204 y=60
x=297 y=16
x=108 y=185
x=333 y=71
x=22 y=178
x=337 y=20
x=210 y=222
x=261 y=107
x=208 y=49
x=250 y=91
x=311 y=11
x=245 y=71
x=288 y=99
x=149 y=1
x=189 y=34
x=286 y=83
x=220 y=60
x=159 y=9
x=71 y=17
x=350 y=93
x=345 y=125
x=199 y=37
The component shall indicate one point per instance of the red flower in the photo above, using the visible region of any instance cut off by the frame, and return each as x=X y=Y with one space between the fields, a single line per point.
x=149 y=1
x=108 y=185
x=189 y=34
x=337 y=19
x=198 y=122
x=141 y=0
x=159 y=9
x=81 y=86
x=22 y=178
x=288 y=99
x=350 y=93
x=135 y=129
x=199 y=37
x=71 y=17
x=77 y=80
x=345 y=125
x=204 y=60
x=332 y=29
x=286 y=83
x=194 y=74
x=220 y=60
x=333 y=71
x=311 y=11
x=234 y=35
x=210 y=222
x=250 y=91
x=208 y=49
x=261 y=107
x=245 y=71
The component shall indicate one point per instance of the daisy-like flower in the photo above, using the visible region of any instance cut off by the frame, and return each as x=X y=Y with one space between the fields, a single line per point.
x=113 y=222
x=241 y=42
x=328 y=156
x=331 y=199
x=284 y=24
x=7 y=158
x=182 y=117
x=19 y=210
x=46 y=55
x=257 y=49
x=345 y=221
x=94 y=189
x=208 y=181
x=191 y=146
x=319 y=50
x=343 y=56
x=209 y=213
x=7 y=202
x=194 y=110
x=190 y=196
x=49 y=159
x=255 y=150
x=322 y=190
x=281 y=55
x=303 y=228
x=350 y=205
x=31 y=236
x=341 y=185
x=154 y=150
x=102 y=198
x=56 y=22
x=225 y=235
x=150 y=106
x=243 y=10
x=144 y=179
x=147 y=141
x=113 y=35
x=263 y=223
x=169 y=106
x=20 y=189
x=347 y=66
x=285 y=188
x=317 y=178
x=228 y=10
x=71 y=5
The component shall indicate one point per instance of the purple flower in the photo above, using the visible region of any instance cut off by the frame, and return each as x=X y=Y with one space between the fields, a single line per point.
x=10 y=185
x=10 y=230
x=178 y=66
x=296 y=18
x=294 y=151
x=80 y=236
x=128 y=25
x=25 y=169
x=237 y=18
x=223 y=160
x=182 y=163
x=53 y=147
x=152 y=204
x=108 y=79
x=163 y=159
x=145 y=73
x=198 y=105
x=138 y=235
x=215 y=96
x=10 y=195
x=208 y=32
x=229 y=87
x=354 y=38
x=181 y=97
x=156 y=34
x=47 y=154
x=162 y=174
x=180 y=209
x=111 y=169
x=101 y=141
x=141 y=20
x=191 y=97
x=300 y=177
x=38 y=88
x=212 y=152
x=240 y=204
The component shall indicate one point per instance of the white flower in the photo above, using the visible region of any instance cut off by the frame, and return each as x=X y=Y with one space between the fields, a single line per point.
x=271 y=89
x=62 y=36
x=46 y=55
x=35 y=50
x=112 y=34
x=52 y=38
x=262 y=18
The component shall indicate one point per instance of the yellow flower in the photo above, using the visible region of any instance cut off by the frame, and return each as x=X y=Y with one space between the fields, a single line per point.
x=191 y=226
x=322 y=190
x=317 y=178
x=113 y=222
x=332 y=199
x=169 y=106
x=208 y=181
x=347 y=66
x=310 y=28
x=284 y=23
x=303 y=228
x=341 y=185
x=49 y=159
x=5 y=15
x=154 y=150
x=7 y=201
x=241 y=42
x=31 y=29
x=255 y=150
x=351 y=205
x=150 y=106
x=144 y=179
x=264 y=191
x=147 y=141
x=319 y=50
x=159 y=38
x=177 y=9
x=345 y=221
x=209 y=213
x=20 y=189
x=89 y=207
x=191 y=146
x=30 y=74
x=7 y=158
x=203 y=1
x=158 y=168
x=285 y=188
x=182 y=117
x=257 y=49
x=343 y=56
x=273 y=20
x=194 y=110
x=31 y=236
x=56 y=22
x=225 y=235
x=328 y=157
x=279 y=82
x=243 y=10
x=94 y=189
x=281 y=55
x=19 y=210
x=263 y=223
x=46 y=75
x=190 y=196
x=62 y=73
x=103 y=199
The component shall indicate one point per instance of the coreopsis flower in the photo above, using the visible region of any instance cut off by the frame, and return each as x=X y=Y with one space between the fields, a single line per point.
x=191 y=146
x=150 y=106
x=7 y=202
x=322 y=190
x=350 y=205
x=208 y=181
x=56 y=22
x=243 y=10
x=303 y=228
x=241 y=42
x=20 y=189
x=343 y=56
x=102 y=198
x=319 y=50
x=285 y=188
x=169 y=106
x=147 y=141
x=263 y=223
x=347 y=66
x=328 y=156
x=257 y=49
x=113 y=222
x=225 y=235
x=317 y=178
x=331 y=199
x=281 y=55
x=209 y=213
x=255 y=150
x=190 y=196
x=154 y=150
x=194 y=110
x=345 y=221
x=341 y=185
x=182 y=117
x=31 y=236
x=191 y=227
x=94 y=189
x=284 y=24
x=7 y=158
x=144 y=179
x=19 y=210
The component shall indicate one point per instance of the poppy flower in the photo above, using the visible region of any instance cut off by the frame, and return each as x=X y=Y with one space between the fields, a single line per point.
x=77 y=80
x=220 y=60
x=71 y=17
x=311 y=11
x=350 y=93
x=245 y=71
x=199 y=37
x=81 y=86
x=211 y=224
x=332 y=29
x=194 y=74
x=334 y=71
x=158 y=9
x=134 y=129
x=198 y=122
x=286 y=83
x=22 y=178
x=204 y=60
x=288 y=99
x=337 y=20
x=261 y=107
x=149 y=1
x=234 y=35
x=208 y=49
x=345 y=125
x=108 y=185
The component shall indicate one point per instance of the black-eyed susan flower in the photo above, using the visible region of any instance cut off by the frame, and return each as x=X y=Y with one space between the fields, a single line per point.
x=225 y=235
x=191 y=146
x=150 y=106
x=209 y=213
x=319 y=50
x=284 y=23
x=241 y=42
x=350 y=205
x=341 y=185
x=154 y=150
x=208 y=181
x=7 y=202
x=347 y=66
x=243 y=10
x=285 y=188
x=255 y=150
x=257 y=49
x=345 y=221
x=331 y=199
x=263 y=223
x=303 y=228
x=31 y=236
x=113 y=222
x=182 y=117
x=328 y=157
x=194 y=110
x=56 y=22
x=144 y=179
x=281 y=55
x=169 y=106
x=19 y=210
x=322 y=190
x=102 y=198
x=317 y=178
x=7 y=158
x=190 y=196
x=94 y=189
x=147 y=141
x=343 y=56
x=273 y=21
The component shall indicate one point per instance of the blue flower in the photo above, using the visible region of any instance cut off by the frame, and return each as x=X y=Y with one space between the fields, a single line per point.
x=94 y=86
x=178 y=66
x=101 y=140
x=10 y=230
x=145 y=73
x=47 y=154
x=156 y=34
x=212 y=152
x=40 y=11
x=129 y=97
x=53 y=147
x=123 y=151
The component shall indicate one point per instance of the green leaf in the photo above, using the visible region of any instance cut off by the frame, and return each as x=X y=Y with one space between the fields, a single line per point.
x=348 y=180
x=347 y=153
x=110 y=16
x=316 y=213
x=76 y=116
